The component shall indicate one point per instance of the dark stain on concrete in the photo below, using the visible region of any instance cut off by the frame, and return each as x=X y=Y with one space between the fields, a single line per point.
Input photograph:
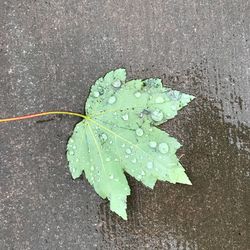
x=50 y=54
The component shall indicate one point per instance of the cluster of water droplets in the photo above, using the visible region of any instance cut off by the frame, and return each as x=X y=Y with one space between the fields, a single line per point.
x=103 y=137
x=161 y=147
x=156 y=115
x=98 y=91
x=71 y=152
x=112 y=99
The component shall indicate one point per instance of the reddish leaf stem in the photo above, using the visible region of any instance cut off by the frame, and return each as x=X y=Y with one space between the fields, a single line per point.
x=29 y=116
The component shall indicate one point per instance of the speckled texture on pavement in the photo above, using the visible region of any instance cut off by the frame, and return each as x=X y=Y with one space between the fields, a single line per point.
x=50 y=54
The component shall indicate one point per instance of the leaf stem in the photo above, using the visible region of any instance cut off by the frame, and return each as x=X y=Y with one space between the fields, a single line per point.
x=29 y=116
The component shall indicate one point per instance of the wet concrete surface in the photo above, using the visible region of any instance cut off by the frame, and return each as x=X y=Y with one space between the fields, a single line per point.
x=50 y=54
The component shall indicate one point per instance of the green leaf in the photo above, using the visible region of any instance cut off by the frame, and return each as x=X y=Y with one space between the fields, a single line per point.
x=119 y=135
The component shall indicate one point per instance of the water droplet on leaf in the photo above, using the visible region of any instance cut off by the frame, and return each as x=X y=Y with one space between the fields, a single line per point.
x=112 y=100
x=152 y=144
x=137 y=94
x=150 y=165
x=117 y=84
x=128 y=151
x=157 y=115
x=96 y=94
x=139 y=132
x=125 y=117
x=163 y=148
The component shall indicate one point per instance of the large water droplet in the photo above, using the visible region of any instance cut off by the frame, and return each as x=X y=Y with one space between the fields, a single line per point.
x=163 y=148
x=134 y=160
x=157 y=115
x=117 y=84
x=128 y=151
x=112 y=100
x=150 y=165
x=125 y=117
x=159 y=99
x=71 y=140
x=107 y=159
x=123 y=145
x=152 y=144
x=111 y=177
x=96 y=94
x=139 y=132
x=137 y=94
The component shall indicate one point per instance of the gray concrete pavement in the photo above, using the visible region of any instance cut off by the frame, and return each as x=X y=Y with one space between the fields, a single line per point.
x=50 y=54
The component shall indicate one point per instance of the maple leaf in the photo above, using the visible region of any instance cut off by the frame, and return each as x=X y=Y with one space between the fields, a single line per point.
x=119 y=135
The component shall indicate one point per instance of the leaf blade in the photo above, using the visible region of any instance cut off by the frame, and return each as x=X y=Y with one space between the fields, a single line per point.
x=120 y=136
